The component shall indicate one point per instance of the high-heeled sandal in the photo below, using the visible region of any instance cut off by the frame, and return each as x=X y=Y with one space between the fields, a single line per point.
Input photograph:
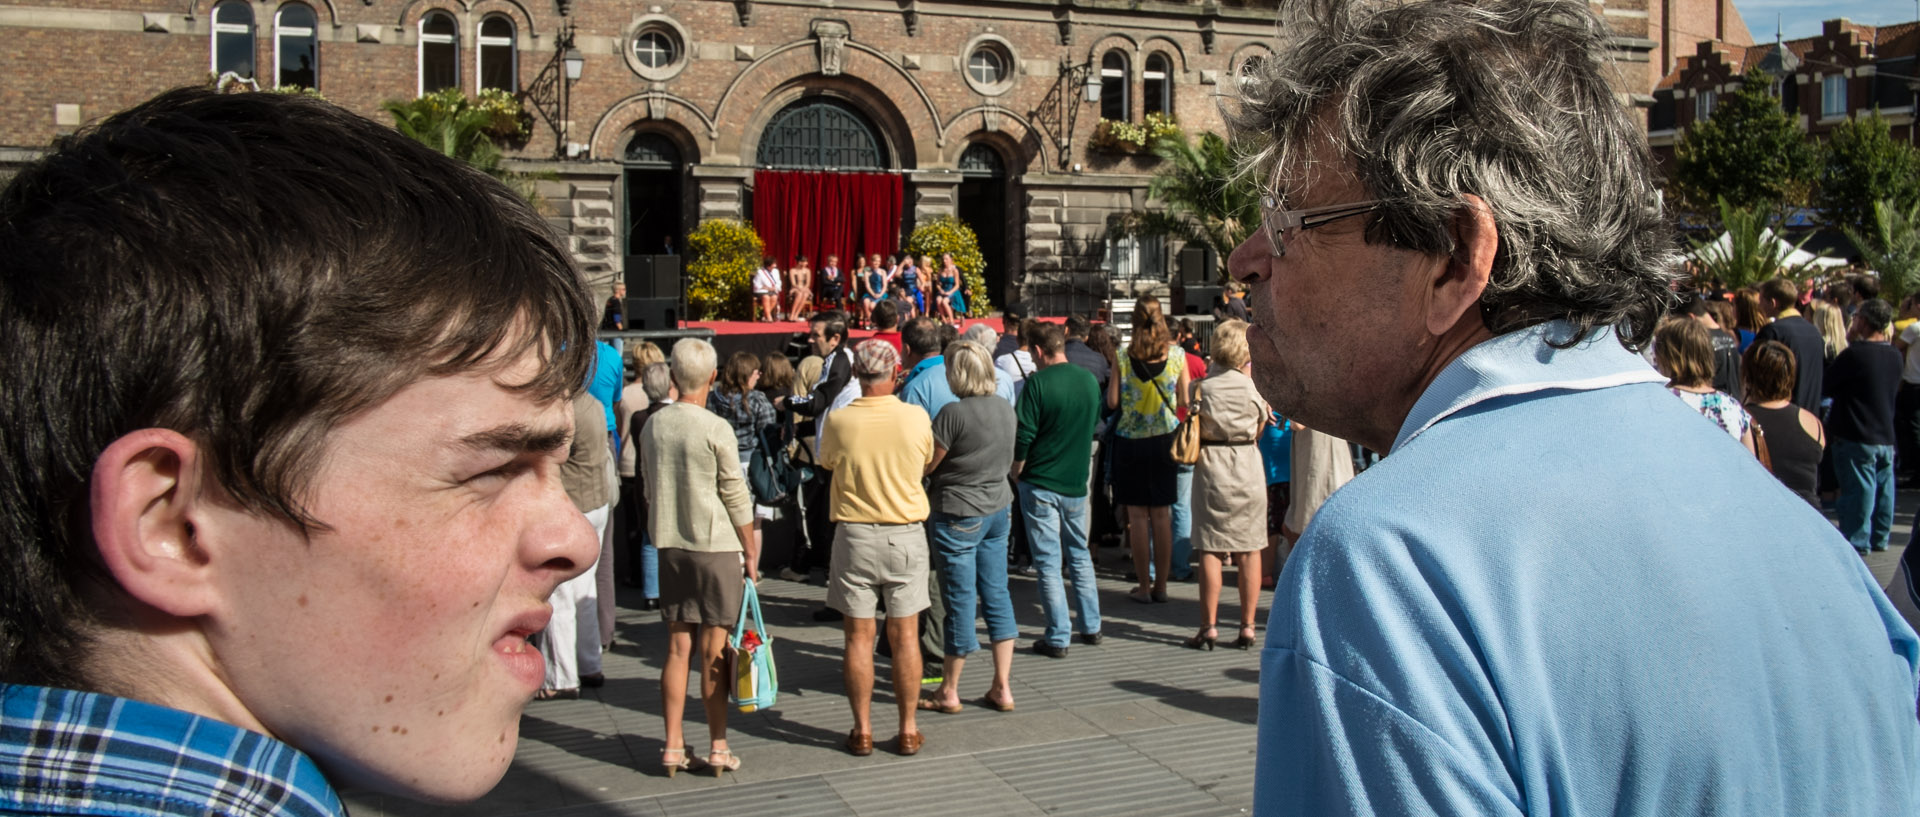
x=1245 y=641
x=1203 y=640
x=723 y=760
x=684 y=764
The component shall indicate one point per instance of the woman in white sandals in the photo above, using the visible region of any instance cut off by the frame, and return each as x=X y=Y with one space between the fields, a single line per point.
x=696 y=490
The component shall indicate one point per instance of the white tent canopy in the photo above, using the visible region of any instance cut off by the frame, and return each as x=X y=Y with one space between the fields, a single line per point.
x=1789 y=257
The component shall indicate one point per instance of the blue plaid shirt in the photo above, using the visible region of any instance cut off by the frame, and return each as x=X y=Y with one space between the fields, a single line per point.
x=66 y=752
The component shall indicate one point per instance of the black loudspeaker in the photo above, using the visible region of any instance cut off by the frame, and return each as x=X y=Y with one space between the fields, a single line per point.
x=1196 y=264
x=653 y=276
x=1199 y=300
x=652 y=313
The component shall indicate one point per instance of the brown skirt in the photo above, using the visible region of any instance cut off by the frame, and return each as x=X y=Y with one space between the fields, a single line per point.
x=700 y=587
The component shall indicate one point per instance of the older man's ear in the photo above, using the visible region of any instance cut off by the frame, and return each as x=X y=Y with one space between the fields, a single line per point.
x=147 y=508
x=1458 y=286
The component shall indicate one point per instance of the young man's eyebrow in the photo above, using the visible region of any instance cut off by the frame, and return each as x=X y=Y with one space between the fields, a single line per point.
x=518 y=438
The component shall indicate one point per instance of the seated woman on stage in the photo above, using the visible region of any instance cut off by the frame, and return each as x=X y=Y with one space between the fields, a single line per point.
x=800 y=283
x=948 y=303
x=833 y=284
x=909 y=278
x=766 y=291
x=873 y=288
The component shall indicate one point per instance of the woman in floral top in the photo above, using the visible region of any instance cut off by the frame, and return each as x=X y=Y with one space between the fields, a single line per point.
x=1148 y=388
x=1684 y=353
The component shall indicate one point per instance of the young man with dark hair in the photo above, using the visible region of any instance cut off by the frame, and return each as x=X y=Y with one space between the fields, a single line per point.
x=1082 y=355
x=1011 y=316
x=886 y=324
x=1778 y=298
x=1052 y=450
x=302 y=506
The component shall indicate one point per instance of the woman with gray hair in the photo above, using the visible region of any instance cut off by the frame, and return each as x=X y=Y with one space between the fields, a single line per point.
x=971 y=500
x=702 y=522
x=1229 y=484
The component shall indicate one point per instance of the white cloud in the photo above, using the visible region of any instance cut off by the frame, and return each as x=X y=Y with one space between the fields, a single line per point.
x=1798 y=18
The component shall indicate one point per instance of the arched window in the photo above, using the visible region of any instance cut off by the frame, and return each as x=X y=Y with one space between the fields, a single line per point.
x=296 y=53
x=233 y=38
x=1157 y=86
x=1114 y=85
x=821 y=133
x=498 y=65
x=439 y=52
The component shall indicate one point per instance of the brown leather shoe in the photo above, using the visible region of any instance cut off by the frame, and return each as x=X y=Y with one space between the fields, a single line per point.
x=910 y=742
x=859 y=744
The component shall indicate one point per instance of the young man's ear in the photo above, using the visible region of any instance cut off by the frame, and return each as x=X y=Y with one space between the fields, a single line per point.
x=146 y=495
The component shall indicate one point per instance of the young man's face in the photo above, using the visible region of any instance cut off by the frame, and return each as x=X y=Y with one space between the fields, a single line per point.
x=391 y=646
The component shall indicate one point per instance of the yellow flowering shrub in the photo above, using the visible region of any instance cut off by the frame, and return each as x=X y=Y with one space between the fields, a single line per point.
x=720 y=274
x=947 y=234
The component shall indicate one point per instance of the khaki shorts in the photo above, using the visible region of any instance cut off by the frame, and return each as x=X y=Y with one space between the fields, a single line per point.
x=871 y=562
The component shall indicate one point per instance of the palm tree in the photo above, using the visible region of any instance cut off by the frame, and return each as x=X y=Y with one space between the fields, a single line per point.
x=1892 y=249
x=1207 y=200
x=447 y=121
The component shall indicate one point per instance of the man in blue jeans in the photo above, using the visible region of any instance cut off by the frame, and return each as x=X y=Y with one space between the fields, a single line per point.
x=1863 y=382
x=1051 y=451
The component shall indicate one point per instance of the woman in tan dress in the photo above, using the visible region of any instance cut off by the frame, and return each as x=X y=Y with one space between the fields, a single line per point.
x=1229 y=482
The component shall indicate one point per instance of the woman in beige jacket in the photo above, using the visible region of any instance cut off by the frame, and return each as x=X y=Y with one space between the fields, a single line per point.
x=702 y=521
x=1229 y=484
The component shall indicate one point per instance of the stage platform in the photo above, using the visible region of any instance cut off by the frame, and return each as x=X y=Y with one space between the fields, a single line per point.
x=790 y=337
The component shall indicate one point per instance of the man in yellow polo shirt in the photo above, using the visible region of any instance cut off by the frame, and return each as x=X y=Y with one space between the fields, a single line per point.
x=878 y=448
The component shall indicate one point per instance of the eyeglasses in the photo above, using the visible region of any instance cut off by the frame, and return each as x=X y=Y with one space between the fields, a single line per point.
x=1279 y=223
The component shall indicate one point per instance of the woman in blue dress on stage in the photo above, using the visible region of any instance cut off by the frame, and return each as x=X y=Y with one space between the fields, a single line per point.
x=949 y=302
x=872 y=286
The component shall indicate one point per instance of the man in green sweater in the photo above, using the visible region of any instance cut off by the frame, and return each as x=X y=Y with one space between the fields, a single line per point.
x=1057 y=412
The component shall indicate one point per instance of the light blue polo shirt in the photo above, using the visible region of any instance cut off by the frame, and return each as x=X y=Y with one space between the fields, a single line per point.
x=1564 y=593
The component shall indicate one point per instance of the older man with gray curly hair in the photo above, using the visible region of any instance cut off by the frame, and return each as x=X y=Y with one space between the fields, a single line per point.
x=1562 y=592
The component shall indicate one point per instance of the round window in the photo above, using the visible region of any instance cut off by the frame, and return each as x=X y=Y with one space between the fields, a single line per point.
x=987 y=66
x=655 y=49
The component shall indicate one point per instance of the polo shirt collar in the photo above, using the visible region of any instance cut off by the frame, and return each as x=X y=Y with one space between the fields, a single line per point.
x=1523 y=362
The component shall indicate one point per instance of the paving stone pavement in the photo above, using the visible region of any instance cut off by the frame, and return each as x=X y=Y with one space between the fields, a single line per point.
x=1135 y=726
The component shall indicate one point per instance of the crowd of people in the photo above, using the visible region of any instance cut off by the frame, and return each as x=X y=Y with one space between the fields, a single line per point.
x=915 y=286
x=1819 y=383
x=932 y=465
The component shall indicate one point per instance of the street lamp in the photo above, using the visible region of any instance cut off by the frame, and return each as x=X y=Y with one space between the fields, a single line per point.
x=551 y=93
x=1093 y=83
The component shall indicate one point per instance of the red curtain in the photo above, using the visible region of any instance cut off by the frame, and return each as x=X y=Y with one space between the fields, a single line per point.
x=816 y=214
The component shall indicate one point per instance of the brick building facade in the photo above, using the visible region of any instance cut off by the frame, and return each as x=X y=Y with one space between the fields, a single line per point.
x=982 y=106
x=1846 y=71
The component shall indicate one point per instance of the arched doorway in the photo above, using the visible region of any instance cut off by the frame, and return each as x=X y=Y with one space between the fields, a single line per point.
x=653 y=172
x=824 y=187
x=654 y=235
x=982 y=204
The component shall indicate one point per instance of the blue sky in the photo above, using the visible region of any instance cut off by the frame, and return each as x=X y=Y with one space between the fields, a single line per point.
x=1799 y=18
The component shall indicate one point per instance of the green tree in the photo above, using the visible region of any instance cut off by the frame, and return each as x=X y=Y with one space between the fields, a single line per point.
x=1892 y=248
x=1865 y=166
x=474 y=130
x=1748 y=152
x=1207 y=199
x=947 y=234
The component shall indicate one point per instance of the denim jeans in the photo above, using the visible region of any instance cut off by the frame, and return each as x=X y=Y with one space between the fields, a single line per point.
x=1182 y=524
x=649 y=568
x=971 y=555
x=1866 y=492
x=1057 y=532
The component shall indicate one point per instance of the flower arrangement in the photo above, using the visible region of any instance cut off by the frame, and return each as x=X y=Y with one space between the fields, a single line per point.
x=720 y=274
x=947 y=234
x=1116 y=137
